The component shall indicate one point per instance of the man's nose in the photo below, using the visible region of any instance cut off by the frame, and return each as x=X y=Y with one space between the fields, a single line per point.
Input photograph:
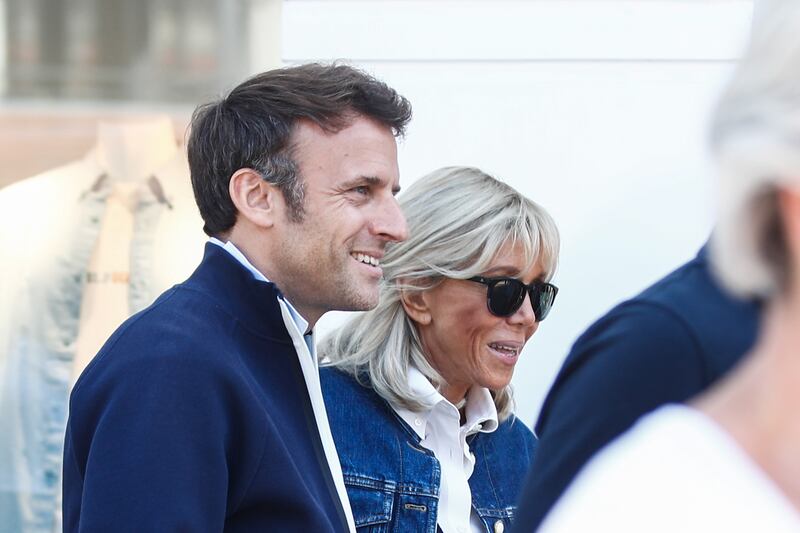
x=390 y=222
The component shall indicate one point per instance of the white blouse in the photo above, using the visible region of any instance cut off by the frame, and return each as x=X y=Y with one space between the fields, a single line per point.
x=439 y=426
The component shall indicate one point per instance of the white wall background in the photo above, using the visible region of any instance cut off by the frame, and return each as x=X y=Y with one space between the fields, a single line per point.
x=595 y=109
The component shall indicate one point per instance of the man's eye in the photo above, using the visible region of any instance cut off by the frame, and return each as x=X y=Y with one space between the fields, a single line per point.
x=361 y=189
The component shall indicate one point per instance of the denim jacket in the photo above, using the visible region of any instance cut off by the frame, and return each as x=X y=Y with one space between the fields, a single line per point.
x=393 y=482
x=48 y=226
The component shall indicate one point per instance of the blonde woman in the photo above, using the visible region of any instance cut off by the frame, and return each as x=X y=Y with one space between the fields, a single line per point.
x=417 y=390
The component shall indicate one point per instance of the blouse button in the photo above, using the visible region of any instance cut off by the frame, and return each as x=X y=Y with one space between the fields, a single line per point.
x=417 y=422
x=499 y=527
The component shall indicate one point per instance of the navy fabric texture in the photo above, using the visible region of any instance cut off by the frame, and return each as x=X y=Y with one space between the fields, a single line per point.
x=393 y=482
x=665 y=345
x=195 y=416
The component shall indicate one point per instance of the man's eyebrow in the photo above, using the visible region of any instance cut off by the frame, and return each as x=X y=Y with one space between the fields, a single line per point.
x=362 y=180
x=372 y=181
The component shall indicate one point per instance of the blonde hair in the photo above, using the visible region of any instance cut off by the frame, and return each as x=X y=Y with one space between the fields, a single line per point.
x=755 y=138
x=458 y=219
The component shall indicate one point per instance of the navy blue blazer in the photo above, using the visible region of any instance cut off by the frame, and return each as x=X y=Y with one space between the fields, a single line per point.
x=665 y=345
x=194 y=416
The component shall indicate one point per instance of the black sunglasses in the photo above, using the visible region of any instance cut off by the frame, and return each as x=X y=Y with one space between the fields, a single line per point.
x=505 y=295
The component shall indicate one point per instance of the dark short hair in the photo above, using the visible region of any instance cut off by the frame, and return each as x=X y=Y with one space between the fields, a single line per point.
x=251 y=127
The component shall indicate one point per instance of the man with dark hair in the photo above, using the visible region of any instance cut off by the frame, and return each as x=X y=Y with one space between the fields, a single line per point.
x=204 y=412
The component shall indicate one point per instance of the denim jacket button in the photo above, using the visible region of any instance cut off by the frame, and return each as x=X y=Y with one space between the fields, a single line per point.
x=499 y=527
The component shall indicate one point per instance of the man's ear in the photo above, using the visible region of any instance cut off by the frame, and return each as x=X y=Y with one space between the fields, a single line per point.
x=255 y=199
x=416 y=306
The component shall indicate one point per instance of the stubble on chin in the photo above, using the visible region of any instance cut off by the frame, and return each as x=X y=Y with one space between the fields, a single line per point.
x=360 y=297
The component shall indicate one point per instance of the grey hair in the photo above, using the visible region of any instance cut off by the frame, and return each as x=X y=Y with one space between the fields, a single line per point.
x=755 y=138
x=458 y=219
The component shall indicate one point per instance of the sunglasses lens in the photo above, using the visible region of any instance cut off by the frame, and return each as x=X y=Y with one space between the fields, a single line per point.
x=505 y=296
x=542 y=298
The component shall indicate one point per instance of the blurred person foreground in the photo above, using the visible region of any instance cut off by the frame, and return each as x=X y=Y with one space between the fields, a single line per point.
x=730 y=460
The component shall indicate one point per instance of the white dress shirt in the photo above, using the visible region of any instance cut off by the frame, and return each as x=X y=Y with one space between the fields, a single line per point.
x=439 y=426
x=296 y=325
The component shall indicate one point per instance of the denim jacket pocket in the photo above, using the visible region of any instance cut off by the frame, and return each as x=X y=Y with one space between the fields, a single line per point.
x=371 y=501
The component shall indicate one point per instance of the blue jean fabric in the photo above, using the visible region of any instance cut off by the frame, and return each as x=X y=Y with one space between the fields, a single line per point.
x=40 y=301
x=393 y=482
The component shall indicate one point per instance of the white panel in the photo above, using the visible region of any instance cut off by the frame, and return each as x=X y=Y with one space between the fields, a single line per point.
x=514 y=30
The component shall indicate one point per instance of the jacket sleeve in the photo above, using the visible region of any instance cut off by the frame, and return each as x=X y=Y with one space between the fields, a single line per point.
x=631 y=361
x=147 y=448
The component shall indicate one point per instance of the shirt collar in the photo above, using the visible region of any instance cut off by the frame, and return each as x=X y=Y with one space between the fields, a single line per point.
x=157 y=185
x=480 y=411
x=228 y=246
x=422 y=389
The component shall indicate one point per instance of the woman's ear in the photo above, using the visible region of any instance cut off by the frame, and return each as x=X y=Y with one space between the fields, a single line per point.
x=416 y=306
x=255 y=199
x=789 y=205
